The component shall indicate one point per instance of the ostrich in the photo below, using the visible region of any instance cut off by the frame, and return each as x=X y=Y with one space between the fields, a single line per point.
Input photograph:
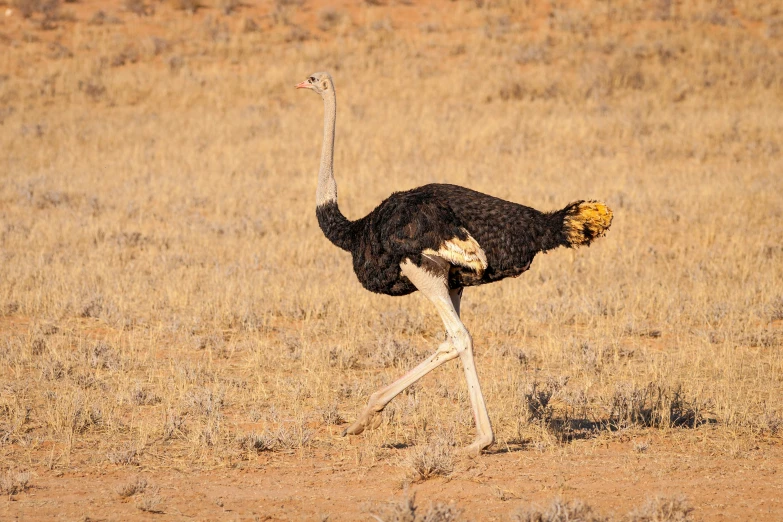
x=438 y=239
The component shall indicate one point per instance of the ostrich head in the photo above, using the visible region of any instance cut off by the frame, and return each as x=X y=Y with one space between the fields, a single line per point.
x=319 y=82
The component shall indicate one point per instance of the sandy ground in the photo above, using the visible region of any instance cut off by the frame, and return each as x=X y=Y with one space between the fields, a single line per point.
x=612 y=478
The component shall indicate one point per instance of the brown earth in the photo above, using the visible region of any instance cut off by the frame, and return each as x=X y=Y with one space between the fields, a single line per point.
x=170 y=312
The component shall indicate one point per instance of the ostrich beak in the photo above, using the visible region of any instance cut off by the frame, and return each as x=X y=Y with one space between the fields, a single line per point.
x=303 y=85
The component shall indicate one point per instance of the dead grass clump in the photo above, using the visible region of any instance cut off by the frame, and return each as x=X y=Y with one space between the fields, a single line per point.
x=102 y=356
x=560 y=511
x=131 y=488
x=537 y=398
x=408 y=510
x=210 y=432
x=49 y=9
x=189 y=6
x=343 y=359
x=139 y=7
x=92 y=307
x=141 y=396
x=52 y=370
x=298 y=34
x=776 y=308
x=283 y=438
x=150 y=501
x=257 y=442
x=250 y=26
x=771 y=423
x=432 y=460
x=293 y=437
x=174 y=426
x=662 y=509
x=95 y=92
x=228 y=7
x=656 y=406
x=328 y=18
x=101 y=18
x=129 y=55
x=13 y=483
x=331 y=416
x=129 y=456
x=391 y=352
x=203 y=400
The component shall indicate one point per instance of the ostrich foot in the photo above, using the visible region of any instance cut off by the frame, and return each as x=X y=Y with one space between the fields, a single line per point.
x=368 y=419
x=481 y=442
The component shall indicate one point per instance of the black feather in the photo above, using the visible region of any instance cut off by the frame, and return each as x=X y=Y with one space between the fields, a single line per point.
x=407 y=223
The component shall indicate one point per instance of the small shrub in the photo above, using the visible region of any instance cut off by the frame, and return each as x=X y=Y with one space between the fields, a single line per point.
x=150 y=501
x=432 y=460
x=141 y=396
x=124 y=457
x=132 y=488
x=663 y=509
x=407 y=510
x=139 y=7
x=328 y=18
x=293 y=437
x=641 y=447
x=250 y=26
x=14 y=483
x=656 y=406
x=190 y=6
x=537 y=397
x=174 y=426
x=331 y=416
x=101 y=18
x=560 y=511
x=227 y=7
x=257 y=442
x=203 y=401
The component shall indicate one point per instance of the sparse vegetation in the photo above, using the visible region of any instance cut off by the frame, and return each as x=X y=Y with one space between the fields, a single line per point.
x=13 y=483
x=134 y=487
x=663 y=509
x=435 y=459
x=168 y=305
x=659 y=509
x=408 y=510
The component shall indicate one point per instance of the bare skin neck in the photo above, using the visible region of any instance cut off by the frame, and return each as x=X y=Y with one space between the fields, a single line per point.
x=327 y=187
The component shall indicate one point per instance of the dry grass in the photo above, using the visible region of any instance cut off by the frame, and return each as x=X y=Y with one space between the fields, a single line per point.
x=13 y=483
x=166 y=290
x=435 y=459
x=659 y=509
x=408 y=510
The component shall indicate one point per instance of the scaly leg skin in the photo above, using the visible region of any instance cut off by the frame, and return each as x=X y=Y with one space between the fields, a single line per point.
x=369 y=417
x=459 y=343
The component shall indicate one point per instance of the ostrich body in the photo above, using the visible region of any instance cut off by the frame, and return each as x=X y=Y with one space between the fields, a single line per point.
x=438 y=239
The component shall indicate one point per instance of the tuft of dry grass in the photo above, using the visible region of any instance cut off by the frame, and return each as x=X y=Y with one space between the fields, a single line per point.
x=134 y=487
x=150 y=501
x=13 y=483
x=425 y=462
x=655 y=406
x=157 y=214
x=660 y=509
x=663 y=509
x=560 y=511
x=408 y=510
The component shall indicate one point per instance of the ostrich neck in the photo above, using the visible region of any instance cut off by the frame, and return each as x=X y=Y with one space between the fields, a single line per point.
x=327 y=187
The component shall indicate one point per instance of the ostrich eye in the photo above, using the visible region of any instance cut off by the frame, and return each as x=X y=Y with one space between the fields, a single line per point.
x=311 y=79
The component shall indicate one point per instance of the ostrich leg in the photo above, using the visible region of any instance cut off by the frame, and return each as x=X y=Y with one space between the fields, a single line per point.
x=459 y=343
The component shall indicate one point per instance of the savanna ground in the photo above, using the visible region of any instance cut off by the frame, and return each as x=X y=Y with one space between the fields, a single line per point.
x=178 y=339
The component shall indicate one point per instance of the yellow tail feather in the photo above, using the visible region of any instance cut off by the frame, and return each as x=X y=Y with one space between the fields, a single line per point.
x=586 y=221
